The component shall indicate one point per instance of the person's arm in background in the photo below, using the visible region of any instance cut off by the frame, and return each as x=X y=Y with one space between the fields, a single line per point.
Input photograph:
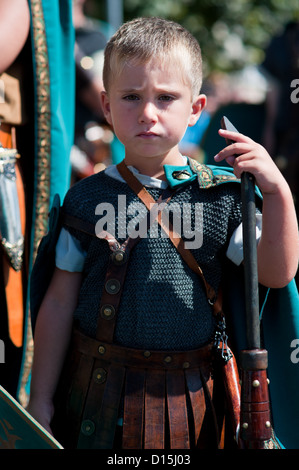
x=14 y=30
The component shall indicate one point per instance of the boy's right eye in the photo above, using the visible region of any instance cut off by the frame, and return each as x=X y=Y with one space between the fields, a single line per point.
x=130 y=97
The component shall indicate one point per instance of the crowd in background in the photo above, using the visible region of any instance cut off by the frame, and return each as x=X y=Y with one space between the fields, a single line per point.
x=257 y=99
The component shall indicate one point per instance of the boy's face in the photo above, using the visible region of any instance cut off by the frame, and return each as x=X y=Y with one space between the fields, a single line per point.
x=150 y=107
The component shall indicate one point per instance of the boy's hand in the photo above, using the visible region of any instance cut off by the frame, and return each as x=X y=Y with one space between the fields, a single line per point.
x=278 y=246
x=247 y=155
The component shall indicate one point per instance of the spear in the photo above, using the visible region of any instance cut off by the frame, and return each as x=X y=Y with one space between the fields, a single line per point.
x=255 y=426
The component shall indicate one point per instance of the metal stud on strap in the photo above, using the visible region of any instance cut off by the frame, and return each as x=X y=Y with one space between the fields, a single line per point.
x=100 y=375
x=119 y=257
x=87 y=427
x=112 y=286
x=107 y=312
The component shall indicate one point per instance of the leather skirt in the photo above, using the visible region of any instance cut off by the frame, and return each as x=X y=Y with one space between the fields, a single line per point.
x=116 y=397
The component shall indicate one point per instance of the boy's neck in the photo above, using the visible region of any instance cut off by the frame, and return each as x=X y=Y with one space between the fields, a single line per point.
x=154 y=167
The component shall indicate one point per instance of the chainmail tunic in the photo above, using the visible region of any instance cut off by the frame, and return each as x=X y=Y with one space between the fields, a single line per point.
x=163 y=304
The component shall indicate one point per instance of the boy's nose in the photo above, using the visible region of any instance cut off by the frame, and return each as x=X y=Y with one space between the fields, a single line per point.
x=148 y=113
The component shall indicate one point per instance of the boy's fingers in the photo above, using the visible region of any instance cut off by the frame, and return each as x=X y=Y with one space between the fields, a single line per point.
x=234 y=150
x=234 y=136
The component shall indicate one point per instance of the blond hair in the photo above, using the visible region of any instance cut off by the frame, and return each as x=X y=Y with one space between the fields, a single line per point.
x=143 y=39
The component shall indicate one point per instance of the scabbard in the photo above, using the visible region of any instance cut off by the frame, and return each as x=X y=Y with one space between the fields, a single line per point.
x=12 y=238
x=232 y=390
x=12 y=231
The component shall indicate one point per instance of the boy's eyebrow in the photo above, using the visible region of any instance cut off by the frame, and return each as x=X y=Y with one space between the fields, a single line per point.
x=163 y=89
x=129 y=90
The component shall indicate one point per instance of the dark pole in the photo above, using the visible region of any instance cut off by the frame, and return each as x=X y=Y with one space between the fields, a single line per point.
x=255 y=426
x=250 y=261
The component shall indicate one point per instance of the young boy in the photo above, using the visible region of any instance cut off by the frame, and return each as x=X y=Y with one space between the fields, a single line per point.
x=144 y=316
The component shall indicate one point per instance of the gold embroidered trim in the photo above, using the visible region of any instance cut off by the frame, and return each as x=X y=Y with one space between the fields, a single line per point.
x=43 y=162
x=43 y=158
x=206 y=177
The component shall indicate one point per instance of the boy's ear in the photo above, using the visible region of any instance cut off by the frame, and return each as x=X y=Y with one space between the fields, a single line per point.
x=197 y=106
x=106 y=106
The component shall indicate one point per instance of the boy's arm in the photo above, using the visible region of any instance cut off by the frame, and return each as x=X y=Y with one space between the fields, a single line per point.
x=51 y=340
x=278 y=248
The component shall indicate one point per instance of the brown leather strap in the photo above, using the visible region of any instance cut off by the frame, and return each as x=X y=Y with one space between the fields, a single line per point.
x=154 y=410
x=78 y=224
x=210 y=429
x=95 y=387
x=135 y=184
x=133 y=410
x=197 y=399
x=147 y=199
x=111 y=295
x=130 y=357
x=115 y=276
x=109 y=411
x=177 y=410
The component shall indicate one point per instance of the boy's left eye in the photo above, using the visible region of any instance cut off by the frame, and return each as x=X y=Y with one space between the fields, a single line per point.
x=166 y=98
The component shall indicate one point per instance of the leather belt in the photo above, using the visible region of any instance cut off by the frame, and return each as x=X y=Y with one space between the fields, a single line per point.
x=142 y=358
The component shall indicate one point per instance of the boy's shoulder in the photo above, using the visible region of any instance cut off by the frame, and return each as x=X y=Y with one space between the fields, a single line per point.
x=82 y=196
x=97 y=183
x=88 y=182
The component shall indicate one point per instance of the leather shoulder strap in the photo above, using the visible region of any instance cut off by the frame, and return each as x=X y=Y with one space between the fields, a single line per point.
x=147 y=199
x=78 y=224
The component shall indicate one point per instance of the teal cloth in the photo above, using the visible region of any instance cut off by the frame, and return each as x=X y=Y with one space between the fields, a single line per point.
x=173 y=182
x=280 y=322
x=60 y=40
x=60 y=43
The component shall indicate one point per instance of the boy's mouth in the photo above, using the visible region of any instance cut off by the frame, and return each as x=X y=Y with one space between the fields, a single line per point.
x=147 y=134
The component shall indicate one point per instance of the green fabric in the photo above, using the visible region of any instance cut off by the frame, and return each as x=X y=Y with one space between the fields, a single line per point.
x=280 y=323
x=170 y=170
x=60 y=42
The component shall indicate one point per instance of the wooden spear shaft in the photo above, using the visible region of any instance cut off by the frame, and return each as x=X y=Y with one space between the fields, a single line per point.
x=255 y=427
x=250 y=261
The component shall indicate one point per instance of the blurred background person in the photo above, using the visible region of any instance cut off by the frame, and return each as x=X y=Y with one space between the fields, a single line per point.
x=281 y=136
x=92 y=149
